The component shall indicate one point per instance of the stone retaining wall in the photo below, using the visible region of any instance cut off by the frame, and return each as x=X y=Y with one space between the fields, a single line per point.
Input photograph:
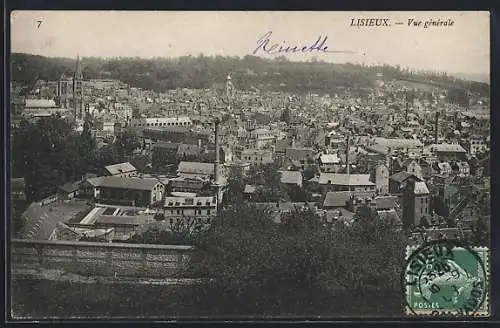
x=102 y=259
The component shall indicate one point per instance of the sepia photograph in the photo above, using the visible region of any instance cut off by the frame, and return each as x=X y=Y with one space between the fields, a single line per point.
x=249 y=165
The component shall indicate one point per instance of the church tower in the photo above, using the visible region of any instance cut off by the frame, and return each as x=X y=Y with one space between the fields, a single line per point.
x=63 y=91
x=382 y=179
x=78 y=91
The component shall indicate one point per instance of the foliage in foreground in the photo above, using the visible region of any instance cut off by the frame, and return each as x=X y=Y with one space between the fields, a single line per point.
x=259 y=267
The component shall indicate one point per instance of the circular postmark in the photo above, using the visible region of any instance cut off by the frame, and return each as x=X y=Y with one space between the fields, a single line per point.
x=445 y=278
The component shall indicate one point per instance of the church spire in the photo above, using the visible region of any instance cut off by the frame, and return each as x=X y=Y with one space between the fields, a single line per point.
x=78 y=70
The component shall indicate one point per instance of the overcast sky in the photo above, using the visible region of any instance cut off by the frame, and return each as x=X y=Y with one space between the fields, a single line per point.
x=463 y=47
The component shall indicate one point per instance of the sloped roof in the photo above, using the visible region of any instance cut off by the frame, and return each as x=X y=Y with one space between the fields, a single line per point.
x=402 y=176
x=345 y=179
x=398 y=142
x=252 y=151
x=292 y=177
x=336 y=199
x=329 y=158
x=192 y=183
x=110 y=220
x=196 y=168
x=124 y=183
x=119 y=168
x=449 y=148
x=340 y=198
x=40 y=103
x=386 y=202
x=421 y=188
x=69 y=187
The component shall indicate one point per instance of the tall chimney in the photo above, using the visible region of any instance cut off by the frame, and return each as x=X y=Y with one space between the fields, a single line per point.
x=217 y=152
x=347 y=165
x=436 y=129
x=406 y=112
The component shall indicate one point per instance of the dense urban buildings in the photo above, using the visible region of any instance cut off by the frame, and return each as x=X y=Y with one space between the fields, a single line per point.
x=337 y=151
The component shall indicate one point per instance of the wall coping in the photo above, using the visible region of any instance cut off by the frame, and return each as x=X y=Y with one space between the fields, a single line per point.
x=101 y=244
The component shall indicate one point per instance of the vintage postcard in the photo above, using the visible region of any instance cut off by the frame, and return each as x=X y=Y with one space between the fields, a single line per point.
x=250 y=165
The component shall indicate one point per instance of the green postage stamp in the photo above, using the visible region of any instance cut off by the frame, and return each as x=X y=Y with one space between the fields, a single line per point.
x=446 y=278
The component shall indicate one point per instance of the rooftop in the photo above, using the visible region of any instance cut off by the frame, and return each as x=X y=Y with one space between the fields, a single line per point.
x=345 y=179
x=421 y=188
x=449 y=148
x=292 y=177
x=196 y=168
x=124 y=182
x=40 y=103
x=119 y=168
x=329 y=158
x=340 y=198
x=110 y=220
x=189 y=201
x=398 y=142
x=402 y=176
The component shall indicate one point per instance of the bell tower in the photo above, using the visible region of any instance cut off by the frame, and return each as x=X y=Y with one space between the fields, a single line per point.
x=63 y=91
x=78 y=91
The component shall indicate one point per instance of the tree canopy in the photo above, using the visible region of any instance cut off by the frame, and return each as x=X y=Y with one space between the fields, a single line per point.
x=258 y=267
x=49 y=153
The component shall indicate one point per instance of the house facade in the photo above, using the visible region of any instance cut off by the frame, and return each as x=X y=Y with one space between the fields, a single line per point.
x=126 y=191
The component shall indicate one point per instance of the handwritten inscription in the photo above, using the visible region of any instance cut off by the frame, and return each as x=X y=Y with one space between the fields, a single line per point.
x=39 y=22
x=266 y=46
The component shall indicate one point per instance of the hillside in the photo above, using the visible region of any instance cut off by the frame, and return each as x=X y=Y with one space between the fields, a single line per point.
x=250 y=72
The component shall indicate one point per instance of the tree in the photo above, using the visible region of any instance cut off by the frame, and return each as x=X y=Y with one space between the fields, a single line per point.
x=236 y=186
x=267 y=179
x=480 y=232
x=424 y=223
x=310 y=171
x=49 y=153
x=258 y=267
x=128 y=141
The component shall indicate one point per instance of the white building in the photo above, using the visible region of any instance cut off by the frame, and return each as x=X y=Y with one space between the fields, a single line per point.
x=160 y=122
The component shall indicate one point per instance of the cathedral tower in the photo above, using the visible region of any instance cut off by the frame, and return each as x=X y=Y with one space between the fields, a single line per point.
x=78 y=91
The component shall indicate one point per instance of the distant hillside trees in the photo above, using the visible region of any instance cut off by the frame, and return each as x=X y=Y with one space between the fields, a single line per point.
x=250 y=72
